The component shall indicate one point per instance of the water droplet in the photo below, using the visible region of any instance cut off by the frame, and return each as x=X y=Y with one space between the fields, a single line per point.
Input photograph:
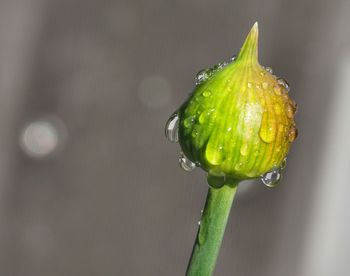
x=262 y=73
x=206 y=93
x=249 y=84
x=216 y=181
x=278 y=109
x=267 y=130
x=283 y=164
x=229 y=129
x=189 y=121
x=293 y=134
x=290 y=111
x=265 y=85
x=172 y=128
x=268 y=69
x=238 y=166
x=233 y=58
x=293 y=103
x=202 y=76
x=271 y=178
x=199 y=223
x=214 y=154
x=280 y=128
x=194 y=133
x=207 y=115
x=277 y=90
x=221 y=65
x=185 y=163
x=284 y=83
x=244 y=149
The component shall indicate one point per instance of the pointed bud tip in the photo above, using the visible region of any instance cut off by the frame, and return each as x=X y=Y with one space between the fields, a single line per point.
x=249 y=50
x=255 y=27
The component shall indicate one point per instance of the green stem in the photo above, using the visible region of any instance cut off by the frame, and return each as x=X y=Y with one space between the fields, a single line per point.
x=211 y=230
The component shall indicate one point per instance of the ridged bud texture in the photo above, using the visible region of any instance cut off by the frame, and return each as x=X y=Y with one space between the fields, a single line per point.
x=239 y=122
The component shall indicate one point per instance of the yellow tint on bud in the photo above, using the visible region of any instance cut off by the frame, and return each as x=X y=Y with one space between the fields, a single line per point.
x=239 y=121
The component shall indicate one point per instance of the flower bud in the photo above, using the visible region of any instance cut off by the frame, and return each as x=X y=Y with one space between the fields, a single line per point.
x=239 y=121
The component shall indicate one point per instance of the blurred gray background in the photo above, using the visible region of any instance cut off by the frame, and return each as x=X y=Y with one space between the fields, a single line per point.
x=90 y=186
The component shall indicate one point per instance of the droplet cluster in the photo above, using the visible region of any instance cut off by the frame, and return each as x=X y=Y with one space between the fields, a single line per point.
x=237 y=123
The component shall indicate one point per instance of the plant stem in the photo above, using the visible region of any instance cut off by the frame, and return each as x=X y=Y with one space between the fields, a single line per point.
x=211 y=230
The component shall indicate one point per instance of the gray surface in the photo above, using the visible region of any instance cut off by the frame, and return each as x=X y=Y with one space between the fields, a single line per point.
x=112 y=199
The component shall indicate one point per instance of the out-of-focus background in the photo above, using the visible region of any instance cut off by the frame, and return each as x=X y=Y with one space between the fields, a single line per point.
x=90 y=186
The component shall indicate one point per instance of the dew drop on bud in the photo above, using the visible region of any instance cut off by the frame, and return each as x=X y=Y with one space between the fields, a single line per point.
x=267 y=130
x=290 y=110
x=172 y=128
x=284 y=83
x=221 y=65
x=216 y=181
x=188 y=122
x=293 y=134
x=185 y=163
x=268 y=69
x=213 y=153
x=194 y=133
x=271 y=178
x=202 y=76
x=206 y=93
x=233 y=58
x=283 y=164
x=277 y=90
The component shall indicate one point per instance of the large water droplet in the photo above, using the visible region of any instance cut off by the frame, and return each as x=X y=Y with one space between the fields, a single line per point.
x=172 y=128
x=271 y=178
x=202 y=76
x=216 y=181
x=185 y=163
x=284 y=83
x=267 y=130
x=214 y=153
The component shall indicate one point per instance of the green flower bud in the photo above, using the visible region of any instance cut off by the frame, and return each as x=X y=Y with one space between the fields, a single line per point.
x=239 y=121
